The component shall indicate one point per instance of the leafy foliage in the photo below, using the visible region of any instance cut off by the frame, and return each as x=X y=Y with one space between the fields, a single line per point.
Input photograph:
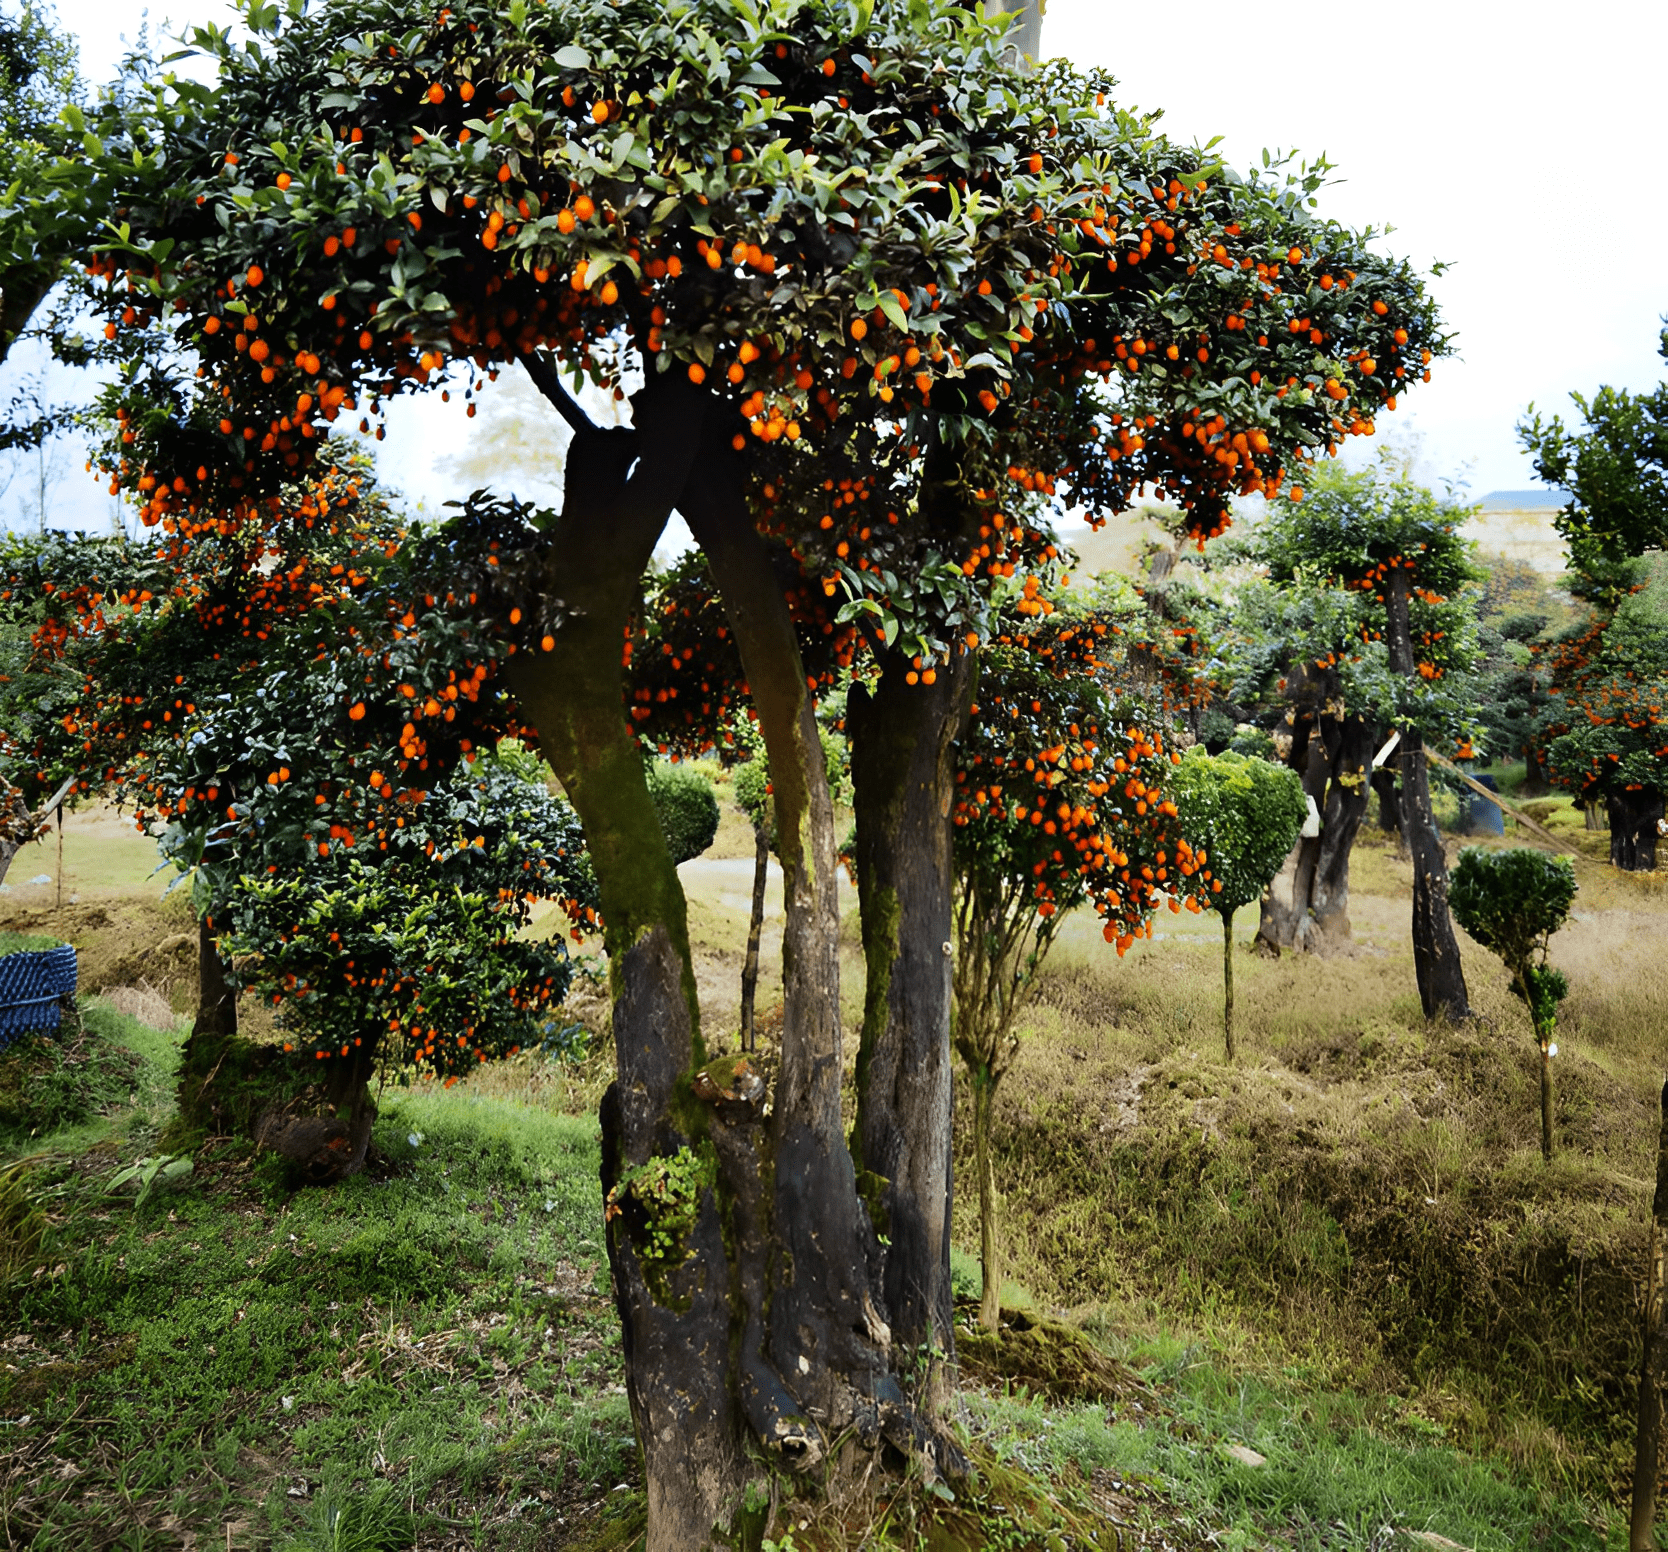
x=1242 y=816
x=1511 y=901
x=1616 y=471
x=687 y=806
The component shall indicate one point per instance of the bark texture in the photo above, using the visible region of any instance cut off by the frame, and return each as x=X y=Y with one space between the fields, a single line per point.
x=1634 y=817
x=1436 y=959
x=1307 y=905
x=672 y=1283
x=755 y=930
x=1228 y=980
x=810 y=1356
x=902 y=751
x=1653 y=1362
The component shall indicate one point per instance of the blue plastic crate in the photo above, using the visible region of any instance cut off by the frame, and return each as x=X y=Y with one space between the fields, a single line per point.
x=32 y=989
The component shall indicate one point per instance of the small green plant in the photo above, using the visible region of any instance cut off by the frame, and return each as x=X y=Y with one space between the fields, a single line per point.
x=164 y=1170
x=1512 y=902
x=1241 y=816
x=667 y=1191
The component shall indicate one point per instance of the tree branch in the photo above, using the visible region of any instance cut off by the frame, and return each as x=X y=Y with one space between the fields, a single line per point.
x=549 y=382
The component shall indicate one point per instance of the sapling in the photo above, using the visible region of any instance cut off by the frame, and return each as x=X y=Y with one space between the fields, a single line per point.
x=1242 y=816
x=1512 y=902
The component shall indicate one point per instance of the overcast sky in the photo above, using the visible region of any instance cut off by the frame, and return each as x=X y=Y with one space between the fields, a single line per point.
x=1515 y=141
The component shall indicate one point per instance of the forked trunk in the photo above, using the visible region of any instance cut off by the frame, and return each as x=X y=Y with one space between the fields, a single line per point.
x=755 y=930
x=1307 y=905
x=1634 y=819
x=1228 y=980
x=902 y=752
x=672 y=1285
x=1647 y=1456
x=990 y=1252
x=1436 y=959
x=812 y=1359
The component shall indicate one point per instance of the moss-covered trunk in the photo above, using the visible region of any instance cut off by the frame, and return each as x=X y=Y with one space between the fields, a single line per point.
x=671 y=1282
x=814 y=1354
x=212 y=1087
x=1436 y=958
x=902 y=742
x=1653 y=1360
x=1307 y=905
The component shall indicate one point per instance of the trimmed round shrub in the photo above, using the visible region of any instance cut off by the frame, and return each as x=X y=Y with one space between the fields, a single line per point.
x=688 y=808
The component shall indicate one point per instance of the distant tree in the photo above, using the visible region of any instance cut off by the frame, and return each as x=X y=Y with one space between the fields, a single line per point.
x=1616 y=471
x=1604 y=732
x=686 y=806
x=1062 y=800
x=1392 y=554
x=1512 y=902
x=1241 y=815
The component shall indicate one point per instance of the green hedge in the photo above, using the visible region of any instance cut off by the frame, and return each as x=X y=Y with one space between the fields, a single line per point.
x=687 y=806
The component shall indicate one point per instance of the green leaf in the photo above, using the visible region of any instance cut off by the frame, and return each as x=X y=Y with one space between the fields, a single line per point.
x=572 y=57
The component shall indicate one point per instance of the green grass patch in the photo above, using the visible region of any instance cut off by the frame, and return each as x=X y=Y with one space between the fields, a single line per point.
x=424 y=1348
x=1341 y=1470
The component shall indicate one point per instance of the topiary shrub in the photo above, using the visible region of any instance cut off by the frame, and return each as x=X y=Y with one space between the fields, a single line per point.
x=1511 y=902
x=687 y=806
x=1241 y=815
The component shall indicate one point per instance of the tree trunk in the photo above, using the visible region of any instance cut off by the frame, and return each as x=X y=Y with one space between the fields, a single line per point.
x=1647 y=1458
x=755 y=929
x=902 y=759
x=1389 y=803
x=814 y=1355
x=22 y=290
x=1546 y=1100
x=1436 y=959
x=1228 y=980
x=675 y=1307
x=348 y=1093
x=1634 y=817
x=990 y=1252
x=18 y=827
x=1593 y=809
x=1307 y=905
x=206 y=1091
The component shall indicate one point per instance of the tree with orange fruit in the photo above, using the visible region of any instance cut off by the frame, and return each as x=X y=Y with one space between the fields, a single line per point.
x=1388 y=636
x=252 y=691
x=876 y=315
x=1062 y=801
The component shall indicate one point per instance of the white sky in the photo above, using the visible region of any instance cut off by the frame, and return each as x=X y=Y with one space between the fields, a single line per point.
x=1516 y=141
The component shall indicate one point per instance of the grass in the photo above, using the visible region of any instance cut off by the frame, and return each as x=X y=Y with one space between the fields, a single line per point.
x=1360 y=1196
x=1341 y=1251
x=427 y=1352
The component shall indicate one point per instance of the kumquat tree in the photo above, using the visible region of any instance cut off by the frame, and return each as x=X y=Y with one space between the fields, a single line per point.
x=882 y=309
x=1393 y=550
x=1062 y=800
x=217 y=682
